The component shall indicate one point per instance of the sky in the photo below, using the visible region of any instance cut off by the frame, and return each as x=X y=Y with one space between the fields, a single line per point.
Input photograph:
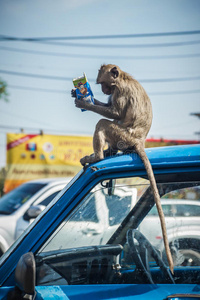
x=39 y=73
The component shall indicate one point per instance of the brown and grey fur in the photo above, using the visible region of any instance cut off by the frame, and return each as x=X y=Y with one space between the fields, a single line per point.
x=130 y=108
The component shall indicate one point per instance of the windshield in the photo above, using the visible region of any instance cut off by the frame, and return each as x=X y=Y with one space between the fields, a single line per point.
x=113 y=204
x=114 y=236
x=181 y=207
x=98 y=216
x=12 y=201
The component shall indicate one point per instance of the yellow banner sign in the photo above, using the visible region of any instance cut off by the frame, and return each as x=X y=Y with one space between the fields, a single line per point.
x=33 y=156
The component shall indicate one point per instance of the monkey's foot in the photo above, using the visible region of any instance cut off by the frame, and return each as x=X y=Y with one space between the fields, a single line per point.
x=89 y=159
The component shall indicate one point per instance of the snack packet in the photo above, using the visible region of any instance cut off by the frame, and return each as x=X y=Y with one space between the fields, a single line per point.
x=83 y=89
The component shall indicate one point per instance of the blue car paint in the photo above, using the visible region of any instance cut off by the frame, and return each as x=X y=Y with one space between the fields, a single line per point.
x=122 y=291
x=174 y=161
x=164 y=160
x=106 y=292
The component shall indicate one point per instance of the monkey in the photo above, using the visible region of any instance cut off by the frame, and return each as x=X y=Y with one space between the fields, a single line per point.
x=130 y=109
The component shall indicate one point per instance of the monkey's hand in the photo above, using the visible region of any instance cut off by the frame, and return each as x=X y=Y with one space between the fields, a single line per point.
x=73 y=93
x=80 y=103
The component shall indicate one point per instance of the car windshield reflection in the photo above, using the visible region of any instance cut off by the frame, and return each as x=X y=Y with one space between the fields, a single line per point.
x=109 y=232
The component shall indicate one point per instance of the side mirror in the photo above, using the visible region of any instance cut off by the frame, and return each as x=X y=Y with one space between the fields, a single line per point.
x=33 y=212
x=25 y=277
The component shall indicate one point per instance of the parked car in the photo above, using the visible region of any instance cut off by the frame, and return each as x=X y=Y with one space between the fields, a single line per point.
x=92 y=222
x=182 y=218
x=25 y=201
x=52 y=259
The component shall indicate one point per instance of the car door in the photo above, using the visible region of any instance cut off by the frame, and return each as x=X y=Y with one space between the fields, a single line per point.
x=72 y=264
x=57 y=243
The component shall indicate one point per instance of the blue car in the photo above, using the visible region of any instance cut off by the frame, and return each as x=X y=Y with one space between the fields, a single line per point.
x=90 y=242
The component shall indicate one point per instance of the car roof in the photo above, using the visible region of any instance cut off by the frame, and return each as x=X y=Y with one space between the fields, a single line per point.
x=158 y=156
x=180 y=201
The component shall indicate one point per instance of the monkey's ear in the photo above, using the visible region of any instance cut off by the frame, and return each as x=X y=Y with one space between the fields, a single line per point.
x=114 y=72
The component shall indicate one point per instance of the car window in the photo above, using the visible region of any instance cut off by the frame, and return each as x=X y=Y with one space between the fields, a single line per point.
x=12 y=201
x=167 y=210
x=106 y=236
x=90 y=214
x=114 y=203
x=98 y=216
x=186 y=210
x=181 y=223
x=47 y=200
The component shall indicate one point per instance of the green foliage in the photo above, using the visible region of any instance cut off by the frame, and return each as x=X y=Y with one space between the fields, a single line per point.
x=3 y=90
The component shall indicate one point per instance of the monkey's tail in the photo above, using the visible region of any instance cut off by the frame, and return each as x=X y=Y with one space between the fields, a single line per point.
x=141 y=152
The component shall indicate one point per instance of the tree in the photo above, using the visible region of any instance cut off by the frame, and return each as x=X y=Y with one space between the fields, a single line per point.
x=3 y=90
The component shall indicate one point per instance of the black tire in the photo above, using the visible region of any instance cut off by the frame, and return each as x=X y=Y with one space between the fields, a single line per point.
x=189 y=257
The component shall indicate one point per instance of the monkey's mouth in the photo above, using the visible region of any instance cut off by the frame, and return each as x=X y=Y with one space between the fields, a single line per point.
x=105 y=88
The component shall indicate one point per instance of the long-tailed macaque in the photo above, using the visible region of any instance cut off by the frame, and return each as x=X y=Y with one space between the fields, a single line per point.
x=130 y=107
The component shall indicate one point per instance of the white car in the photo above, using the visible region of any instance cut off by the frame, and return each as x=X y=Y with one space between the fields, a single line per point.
x=25 y=201
x=100 y=221
x=22 y=205
x=91 y=223
x=182 y=222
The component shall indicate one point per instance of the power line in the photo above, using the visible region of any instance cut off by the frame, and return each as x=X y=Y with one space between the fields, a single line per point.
x=92 y=80
x=24 y=117
x=67 y=91
x=5 y=127
x=100 y=56
x=169 y=79
x=37 y=75
x=109 y=36
x=152 y=45
x=16 y=127
x=27 y=128
x=175 y=93
x=37 y=89
x=43 y=52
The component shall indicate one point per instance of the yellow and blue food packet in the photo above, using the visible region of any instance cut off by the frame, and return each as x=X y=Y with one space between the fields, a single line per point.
x=83 y=89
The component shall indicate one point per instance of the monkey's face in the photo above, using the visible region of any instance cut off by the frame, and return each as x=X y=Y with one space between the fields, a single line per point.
x=106 y=89
x=108 y=77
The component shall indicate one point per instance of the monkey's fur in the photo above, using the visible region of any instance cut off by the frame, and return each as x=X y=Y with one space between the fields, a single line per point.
x=130 y=107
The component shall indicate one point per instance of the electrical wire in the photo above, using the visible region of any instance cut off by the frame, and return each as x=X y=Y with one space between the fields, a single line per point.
x=152 y=45
x=35 y=75
x=93 y=80
x=109 y=36
x=67 y=91
x=24 y=118
x=51 y=40
x=6 y=127
x=129 y=57
x=174 y=93
x=37 y=89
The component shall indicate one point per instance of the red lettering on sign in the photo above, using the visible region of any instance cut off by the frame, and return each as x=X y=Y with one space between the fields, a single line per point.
x=20 y=141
